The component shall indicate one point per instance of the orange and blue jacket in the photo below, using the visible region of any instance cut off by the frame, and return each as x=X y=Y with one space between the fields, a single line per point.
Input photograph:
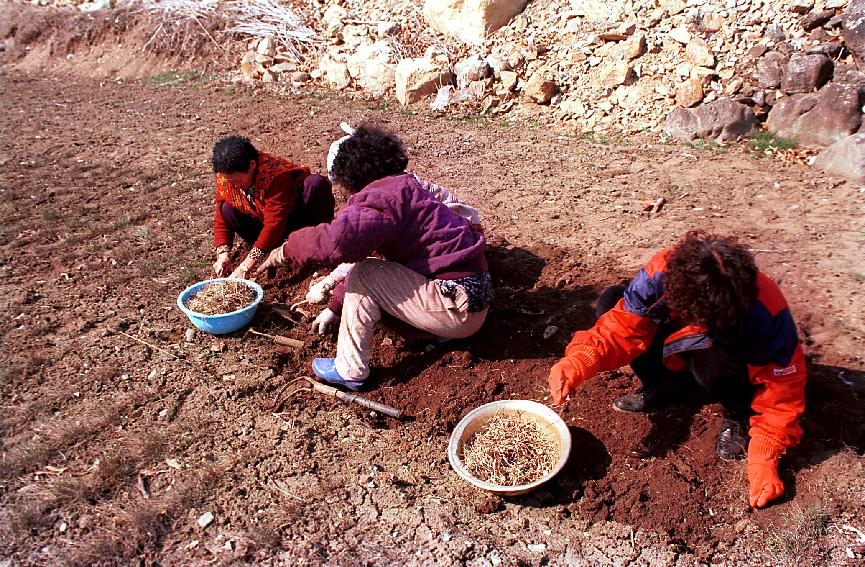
x=773 y=354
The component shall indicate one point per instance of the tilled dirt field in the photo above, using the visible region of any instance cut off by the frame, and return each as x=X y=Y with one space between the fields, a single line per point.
x=113 y=450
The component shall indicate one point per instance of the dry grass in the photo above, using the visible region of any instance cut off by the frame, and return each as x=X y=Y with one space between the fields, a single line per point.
x=510 y=450
x=221 y=297
x=797 y=542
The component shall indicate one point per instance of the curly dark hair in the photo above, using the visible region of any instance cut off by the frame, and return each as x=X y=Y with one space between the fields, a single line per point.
x=366 y=156
x=233 y=154
x=711 y=280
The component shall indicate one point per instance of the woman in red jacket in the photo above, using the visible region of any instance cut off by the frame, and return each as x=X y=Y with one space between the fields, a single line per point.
x=262 y=198
x=703 y=311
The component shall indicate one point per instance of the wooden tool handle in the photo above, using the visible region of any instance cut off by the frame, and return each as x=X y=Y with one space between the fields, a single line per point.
x=375 y=406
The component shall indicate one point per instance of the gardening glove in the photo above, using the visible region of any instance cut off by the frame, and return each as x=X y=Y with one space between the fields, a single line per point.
x=764 y=483
x=242 y=271
x=320 y=291
x=220 y=266
x=579 y=364
x=276 y=259
x=326 y=322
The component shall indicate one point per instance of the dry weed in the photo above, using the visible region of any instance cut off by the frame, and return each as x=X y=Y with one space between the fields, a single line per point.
x=221 y=297
x=798 y=541
x=510 y=450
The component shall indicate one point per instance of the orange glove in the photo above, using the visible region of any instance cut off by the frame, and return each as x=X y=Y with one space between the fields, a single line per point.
x=764 y=483
x=580 y=364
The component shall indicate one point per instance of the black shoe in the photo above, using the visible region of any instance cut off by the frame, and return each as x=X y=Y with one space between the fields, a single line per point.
x=644 y=400
x=731 y=440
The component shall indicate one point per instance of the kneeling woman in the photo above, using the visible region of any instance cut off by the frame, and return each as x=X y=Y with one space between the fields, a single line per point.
x=429 y=268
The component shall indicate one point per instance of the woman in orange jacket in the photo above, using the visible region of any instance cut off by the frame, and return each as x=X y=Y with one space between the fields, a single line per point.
x=703 y=311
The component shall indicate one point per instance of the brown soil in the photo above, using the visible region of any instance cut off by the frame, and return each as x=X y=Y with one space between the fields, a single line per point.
x=113 y=450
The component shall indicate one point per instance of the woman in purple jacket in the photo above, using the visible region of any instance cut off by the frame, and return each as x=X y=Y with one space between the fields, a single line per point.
x=429 y=268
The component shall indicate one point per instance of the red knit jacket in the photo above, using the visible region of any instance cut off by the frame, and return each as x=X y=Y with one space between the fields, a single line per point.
x=274 y=192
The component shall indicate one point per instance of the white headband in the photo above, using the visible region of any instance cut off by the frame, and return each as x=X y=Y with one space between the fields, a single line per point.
x=334 y=147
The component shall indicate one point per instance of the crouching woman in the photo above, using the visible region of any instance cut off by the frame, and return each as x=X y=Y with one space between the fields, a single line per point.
x=429 y=269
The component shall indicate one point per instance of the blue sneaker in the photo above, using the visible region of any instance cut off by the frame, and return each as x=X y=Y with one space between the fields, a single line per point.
x=325 y=368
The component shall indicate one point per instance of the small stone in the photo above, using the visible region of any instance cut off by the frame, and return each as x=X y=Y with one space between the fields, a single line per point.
x=616 y=74
x=63 y=527
x=681 y=35
x=217 y=347
x=802 y=6
x=816 y=19
x=537 y=547
x=190 y=335
x=205 y=519
x=620 y=33
x=266 y=47
x=550 y=331
x=540 y=89
x=509 y=80
x=700 y=53
x=446 y=537
x=690 y=93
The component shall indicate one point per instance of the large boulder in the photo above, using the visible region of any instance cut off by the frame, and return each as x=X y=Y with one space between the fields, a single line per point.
x=419 y=78
x=372 y=67
x=471 y=20
x=722 y=121
x=334 y=69
x=806 y=73
x=845 y=157
x=853 y=22
x=540 y=88
x=770 y=70
x=819 y=119
x=472 y=69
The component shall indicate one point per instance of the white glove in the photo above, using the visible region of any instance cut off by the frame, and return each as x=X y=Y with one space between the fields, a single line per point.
x=326 y=322
x=320 y=291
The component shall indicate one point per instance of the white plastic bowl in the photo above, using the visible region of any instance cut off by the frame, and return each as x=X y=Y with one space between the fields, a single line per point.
x=478 y=417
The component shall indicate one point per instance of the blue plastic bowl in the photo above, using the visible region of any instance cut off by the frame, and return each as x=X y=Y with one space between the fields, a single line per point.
x=224 y=322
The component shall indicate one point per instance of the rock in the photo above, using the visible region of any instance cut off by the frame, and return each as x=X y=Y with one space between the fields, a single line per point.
x=300 y=77
x=853 y=22
x=673 y=7
x=471 y=20
x=266 y=47
x=634 y=47
x=802 y=6
x=599 y=10
x=845 y=157
x=334 y=70
x=419 y=78
x=830 y=49
x=509 y=80
x=690 y=93
x=573 y=107
x=806 y=73
x=621 y=33
x=848 y=74
x=770 y=70
x=540 y=89
x=354 y=36
x=385 y=29
x=283 y=68
x=775 y=33
x=95 y=6
x=816 y=19
x=333 y=17
x=681 y=35
x=205 y=519
x=471 y=69
x=372 y=67
x=819 y=119
x=615 y=74
x=699 y=53
x=712 y=22
x=722 y=121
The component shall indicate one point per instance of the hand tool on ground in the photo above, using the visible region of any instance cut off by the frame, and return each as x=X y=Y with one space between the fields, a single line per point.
x=328 y=390
x=278 y=339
